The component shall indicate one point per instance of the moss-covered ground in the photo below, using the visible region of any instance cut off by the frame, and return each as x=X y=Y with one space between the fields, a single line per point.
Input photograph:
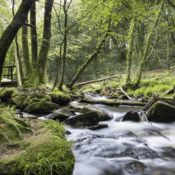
x=31 y=146
x=158 y=83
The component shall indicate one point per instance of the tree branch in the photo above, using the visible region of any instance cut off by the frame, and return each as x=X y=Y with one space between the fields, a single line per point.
x=58 y=20
x=170 y=3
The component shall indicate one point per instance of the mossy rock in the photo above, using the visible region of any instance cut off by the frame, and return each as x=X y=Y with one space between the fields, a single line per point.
x=87 y=119
x=44 y=153
x=12 y=128
x=41 y=107
x=6 y=93
x=61 y=114
x=162 y=112
x=59 y=97
x=84 y=108
x=21 y=100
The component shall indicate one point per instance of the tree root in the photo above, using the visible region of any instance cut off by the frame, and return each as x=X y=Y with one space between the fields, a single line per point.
x=18 y=131
x=4 y=136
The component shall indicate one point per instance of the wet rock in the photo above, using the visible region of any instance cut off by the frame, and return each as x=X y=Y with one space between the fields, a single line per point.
x=162 y=112
x=80 y=107
x=41 y=107
x=87 y=119
x=68 y=132
x=99 y=126
x=61 y=114
x=131 y=116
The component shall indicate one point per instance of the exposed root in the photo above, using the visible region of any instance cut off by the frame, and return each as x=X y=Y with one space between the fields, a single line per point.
x=18 y=131
x=4 y=136
x=2 y=148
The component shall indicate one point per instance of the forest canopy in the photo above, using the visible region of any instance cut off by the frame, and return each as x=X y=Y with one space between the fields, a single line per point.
x=65 y=42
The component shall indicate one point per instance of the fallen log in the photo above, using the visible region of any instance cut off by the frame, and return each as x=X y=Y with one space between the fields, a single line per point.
x=112 y=102
x=98 y=80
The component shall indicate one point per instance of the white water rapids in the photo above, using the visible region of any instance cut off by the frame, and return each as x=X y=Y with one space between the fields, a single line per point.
x=124 y=148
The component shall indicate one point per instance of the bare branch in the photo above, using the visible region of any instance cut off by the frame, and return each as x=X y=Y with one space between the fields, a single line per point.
x=58 y=20
x=83 y=17
x=69 y=5
x=29 y=25
x=152 y=46
x=170 y=3
x=58 y=4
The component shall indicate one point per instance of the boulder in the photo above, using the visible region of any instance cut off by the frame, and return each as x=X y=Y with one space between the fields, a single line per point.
x=162 y=112
x=41 y=107
x=81 y=107
x=87 y=119
x=131 y=116
x=99 y=126
x=61 y=114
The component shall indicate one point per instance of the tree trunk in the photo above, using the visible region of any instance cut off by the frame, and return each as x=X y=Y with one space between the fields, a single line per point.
x=18 y=61
x=83 y=67
x=11 y=31
x=17 y=66
x=129 y=53
x=25 y=49
x=36 y=79
x=65 y=48
x=34 y=44
x=93 y=81
x=142 y=65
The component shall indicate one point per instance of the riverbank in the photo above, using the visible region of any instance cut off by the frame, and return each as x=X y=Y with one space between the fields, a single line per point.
x=32 y=146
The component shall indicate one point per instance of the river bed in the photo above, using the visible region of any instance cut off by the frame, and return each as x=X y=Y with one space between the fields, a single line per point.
x=124 y=148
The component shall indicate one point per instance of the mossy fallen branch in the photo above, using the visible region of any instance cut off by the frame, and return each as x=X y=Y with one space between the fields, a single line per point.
x=113 y=102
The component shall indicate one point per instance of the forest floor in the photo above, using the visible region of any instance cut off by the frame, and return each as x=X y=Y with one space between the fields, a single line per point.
x=155 y=82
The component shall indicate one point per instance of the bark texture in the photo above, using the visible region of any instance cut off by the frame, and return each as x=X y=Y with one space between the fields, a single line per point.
x=142 y=65
x=36 y=79
x=25 y=48
x=34 y=44
x=11 y=31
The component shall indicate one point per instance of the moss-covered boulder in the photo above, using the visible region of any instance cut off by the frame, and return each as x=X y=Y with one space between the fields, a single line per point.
x=6 y=93
x=59 y=97
x=162 y=112
x=61 y=114
x=33 y=146
x=81 y=107
x=41 y=107
x=87 y=119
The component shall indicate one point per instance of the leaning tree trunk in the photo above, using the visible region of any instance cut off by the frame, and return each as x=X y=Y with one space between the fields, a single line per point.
x=11 y=31
x=25 y=48
x=83 y=67
x=142 y=65
x=34 y=45
x=38 y=73
x=129 y=53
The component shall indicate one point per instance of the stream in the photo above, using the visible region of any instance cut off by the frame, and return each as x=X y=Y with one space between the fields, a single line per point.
x=124 y=148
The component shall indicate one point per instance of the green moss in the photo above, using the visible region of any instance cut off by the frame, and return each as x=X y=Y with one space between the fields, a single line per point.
x=21 y=100
x=6 y=93
x=43 y=154
x=41 y=107
x=11 y=128
x=162 y=112
x=60 y=97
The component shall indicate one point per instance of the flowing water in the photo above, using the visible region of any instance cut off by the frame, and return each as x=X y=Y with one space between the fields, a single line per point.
x=124 y=148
